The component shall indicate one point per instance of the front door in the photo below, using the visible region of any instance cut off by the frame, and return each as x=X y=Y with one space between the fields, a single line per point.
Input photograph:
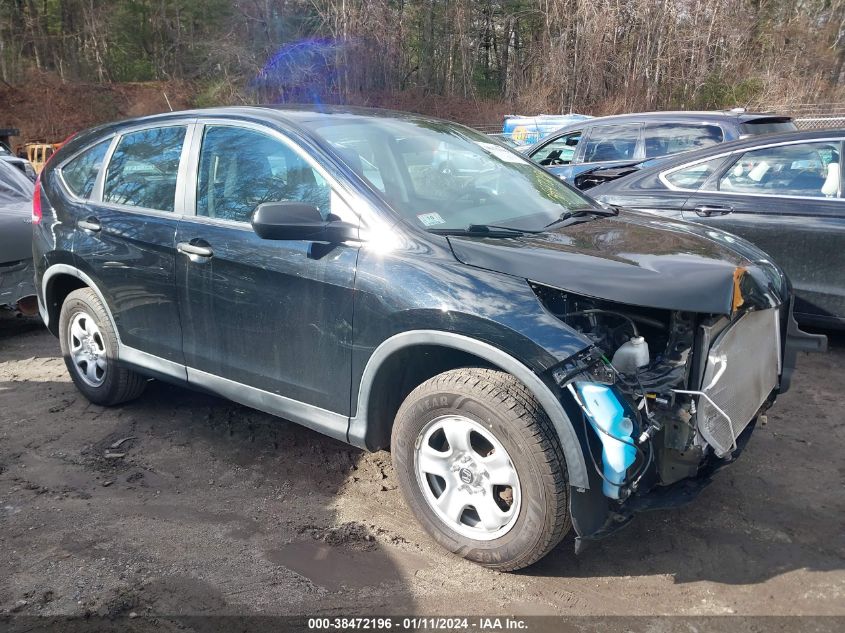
x=786 y=200
x=266 y=322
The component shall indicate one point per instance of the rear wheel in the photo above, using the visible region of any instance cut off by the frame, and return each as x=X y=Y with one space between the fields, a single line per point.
x=89 y=347
x=480 y=466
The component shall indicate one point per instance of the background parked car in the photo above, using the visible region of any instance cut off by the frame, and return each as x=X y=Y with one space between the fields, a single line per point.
x=597 y=150
x=525 y=131
x=16 y=271
x=782 y=192
x=17 y=162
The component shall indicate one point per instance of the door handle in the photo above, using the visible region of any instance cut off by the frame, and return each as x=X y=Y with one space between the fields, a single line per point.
x=193 y=249
x=89 y=224
x=707 y=210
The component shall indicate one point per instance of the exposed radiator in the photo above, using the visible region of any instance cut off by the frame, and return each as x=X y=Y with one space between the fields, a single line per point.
x=742 y=369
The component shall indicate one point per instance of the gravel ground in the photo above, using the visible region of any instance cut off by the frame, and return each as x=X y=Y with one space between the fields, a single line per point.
x=182 y=503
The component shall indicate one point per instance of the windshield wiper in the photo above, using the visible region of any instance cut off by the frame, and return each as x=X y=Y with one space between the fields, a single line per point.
x=580 y=213
x=484 y=230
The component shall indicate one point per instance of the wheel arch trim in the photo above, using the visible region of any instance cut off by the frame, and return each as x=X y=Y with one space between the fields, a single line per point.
x=66 y=269
x=569 y=440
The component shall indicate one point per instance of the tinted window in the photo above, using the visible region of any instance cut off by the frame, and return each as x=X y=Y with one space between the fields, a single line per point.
x=81 y=173
x=241 y=169
x=561 y=151
x=694 y=176
x=142 y=171
x=611 y=142
x=767 y=126
x=671 y=138
x=805 y=169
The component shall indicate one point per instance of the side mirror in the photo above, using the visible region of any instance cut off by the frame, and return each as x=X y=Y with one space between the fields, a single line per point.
x=299 y=221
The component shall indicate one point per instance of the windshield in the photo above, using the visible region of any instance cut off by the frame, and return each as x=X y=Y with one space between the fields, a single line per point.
x=443 y=176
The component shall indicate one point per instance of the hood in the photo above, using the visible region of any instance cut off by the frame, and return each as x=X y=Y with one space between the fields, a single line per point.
x=637 y=259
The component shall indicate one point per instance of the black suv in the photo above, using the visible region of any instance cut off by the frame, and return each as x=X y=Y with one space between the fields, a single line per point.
x=533 y=361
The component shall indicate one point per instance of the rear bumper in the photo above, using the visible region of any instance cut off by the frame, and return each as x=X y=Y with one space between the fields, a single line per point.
x=17 y=281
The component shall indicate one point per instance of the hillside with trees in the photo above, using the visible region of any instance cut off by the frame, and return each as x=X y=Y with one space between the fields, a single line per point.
x=468 y=59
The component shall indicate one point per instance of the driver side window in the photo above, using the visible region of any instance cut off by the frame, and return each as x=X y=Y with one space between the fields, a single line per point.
x=240 y=169
x=560 y=151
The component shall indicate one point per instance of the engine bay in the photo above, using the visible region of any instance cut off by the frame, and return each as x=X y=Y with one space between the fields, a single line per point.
x=654 y=361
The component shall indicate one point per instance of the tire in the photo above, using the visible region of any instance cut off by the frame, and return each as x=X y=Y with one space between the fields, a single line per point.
x=89 y=347
x=498 y=428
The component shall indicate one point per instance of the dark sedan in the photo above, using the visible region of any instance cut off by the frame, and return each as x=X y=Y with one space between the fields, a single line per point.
x=781 y=192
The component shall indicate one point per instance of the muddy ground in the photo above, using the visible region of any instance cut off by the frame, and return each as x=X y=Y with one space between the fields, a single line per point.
x=210 y=507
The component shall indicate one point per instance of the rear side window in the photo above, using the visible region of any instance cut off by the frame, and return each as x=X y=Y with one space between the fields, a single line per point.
x=142 y=171
x=81 y=173
x=612 y=142
x=671 y=138
x=693 y=176
x=240 y=169
x=802 y=169
x=767 y=126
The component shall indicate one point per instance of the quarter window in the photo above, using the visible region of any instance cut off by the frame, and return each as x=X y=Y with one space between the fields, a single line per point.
x=142 y=171
x=611 y=142
x=662 y=140
x=81 y=173
x=560 y=151
x=240 y=169
x=694 y=176
x=805 y=169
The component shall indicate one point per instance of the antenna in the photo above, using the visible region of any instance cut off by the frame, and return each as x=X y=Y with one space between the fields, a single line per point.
x=168 y=100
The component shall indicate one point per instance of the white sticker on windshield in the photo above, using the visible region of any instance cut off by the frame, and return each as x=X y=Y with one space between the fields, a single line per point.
x=431 y=219
x=501 y=153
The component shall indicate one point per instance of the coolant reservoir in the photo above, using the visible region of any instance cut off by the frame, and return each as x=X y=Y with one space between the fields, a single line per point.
x=631 y=356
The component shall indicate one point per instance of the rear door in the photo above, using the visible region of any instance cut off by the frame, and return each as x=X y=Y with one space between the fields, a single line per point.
x=125 y=235
x=786 y=199
x=266 y=322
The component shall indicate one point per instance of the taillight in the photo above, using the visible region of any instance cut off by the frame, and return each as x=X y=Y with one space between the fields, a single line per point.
x=36 y=202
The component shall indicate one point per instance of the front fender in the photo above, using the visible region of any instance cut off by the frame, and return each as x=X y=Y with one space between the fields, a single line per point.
x=405 y=300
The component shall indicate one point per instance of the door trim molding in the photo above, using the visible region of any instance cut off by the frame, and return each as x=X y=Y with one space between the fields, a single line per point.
x=326 y=422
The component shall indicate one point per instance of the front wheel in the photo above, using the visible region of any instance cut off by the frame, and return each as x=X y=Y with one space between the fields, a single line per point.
x=480 y=465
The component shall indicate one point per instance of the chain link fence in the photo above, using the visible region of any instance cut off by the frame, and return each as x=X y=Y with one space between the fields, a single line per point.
x=820 y=122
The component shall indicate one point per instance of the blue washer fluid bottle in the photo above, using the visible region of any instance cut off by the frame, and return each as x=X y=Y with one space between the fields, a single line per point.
x=605 y=413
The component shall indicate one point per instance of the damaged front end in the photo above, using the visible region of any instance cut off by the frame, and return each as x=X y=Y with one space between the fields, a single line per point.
x=663 y=398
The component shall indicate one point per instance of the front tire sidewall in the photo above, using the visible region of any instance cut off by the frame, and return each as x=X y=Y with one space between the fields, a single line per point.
x=526 y=533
